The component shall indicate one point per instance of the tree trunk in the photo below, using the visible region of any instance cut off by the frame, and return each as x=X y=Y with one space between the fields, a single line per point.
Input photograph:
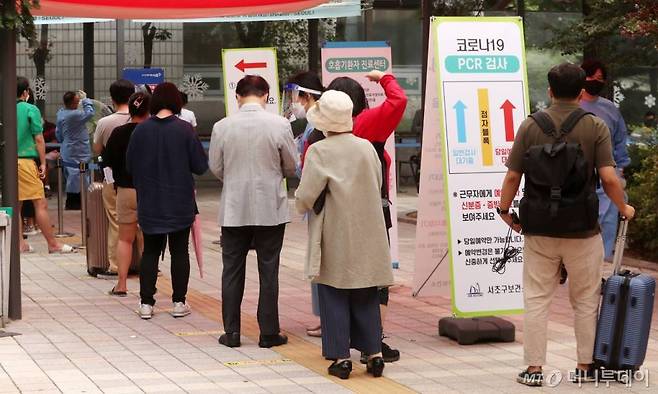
x=341 y=28
x=426 y=13
x=40 y=58
x=313 y=44
x=148 y=33
x=9 y=151
x=590 y=51
x=250 y=33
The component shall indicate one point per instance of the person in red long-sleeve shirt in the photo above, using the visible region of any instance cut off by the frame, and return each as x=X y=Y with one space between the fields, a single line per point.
x=375 y=125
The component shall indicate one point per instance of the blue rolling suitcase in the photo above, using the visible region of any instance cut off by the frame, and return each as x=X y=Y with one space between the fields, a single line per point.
x=625 y=317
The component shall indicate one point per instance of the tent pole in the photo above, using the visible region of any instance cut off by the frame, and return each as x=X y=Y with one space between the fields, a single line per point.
x=10 y=163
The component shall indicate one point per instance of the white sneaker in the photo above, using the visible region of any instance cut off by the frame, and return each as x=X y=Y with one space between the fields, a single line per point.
x=145 y=311
x=31 y=230
x=180 y=309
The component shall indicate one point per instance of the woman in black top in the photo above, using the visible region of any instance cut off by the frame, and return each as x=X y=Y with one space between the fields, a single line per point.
x=114 y=156
x=163 y=154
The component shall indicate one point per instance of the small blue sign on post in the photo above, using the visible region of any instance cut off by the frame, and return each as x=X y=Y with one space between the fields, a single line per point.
x=144 y=76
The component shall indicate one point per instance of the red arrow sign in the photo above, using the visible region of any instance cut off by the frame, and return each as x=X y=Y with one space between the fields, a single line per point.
x=507 y=108
x=242 y=66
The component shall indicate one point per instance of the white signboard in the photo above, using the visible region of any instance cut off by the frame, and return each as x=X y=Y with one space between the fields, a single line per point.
x=356 y=60
x=432 y=268
x=483 y=97
x=238 y=63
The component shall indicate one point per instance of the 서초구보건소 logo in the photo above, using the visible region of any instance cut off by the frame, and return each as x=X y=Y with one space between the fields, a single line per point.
x=474 y=291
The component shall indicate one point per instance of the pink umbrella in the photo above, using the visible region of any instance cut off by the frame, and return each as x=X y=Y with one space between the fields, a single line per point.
x=196 y=240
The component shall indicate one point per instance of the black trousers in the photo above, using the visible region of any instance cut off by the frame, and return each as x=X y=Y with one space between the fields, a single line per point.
x=268 y=241
x=350 y=318
x=154 y=246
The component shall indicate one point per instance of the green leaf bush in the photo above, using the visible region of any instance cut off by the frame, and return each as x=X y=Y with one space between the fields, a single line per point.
x=642 y=189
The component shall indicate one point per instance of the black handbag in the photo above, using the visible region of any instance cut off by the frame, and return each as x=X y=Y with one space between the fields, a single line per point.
x=318 y=205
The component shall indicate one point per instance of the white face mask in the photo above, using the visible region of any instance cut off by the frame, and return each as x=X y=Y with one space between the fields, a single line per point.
x=298 y=110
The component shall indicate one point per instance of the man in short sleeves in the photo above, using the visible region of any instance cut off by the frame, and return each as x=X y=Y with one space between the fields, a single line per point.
x=581 y=253
x=120 y=91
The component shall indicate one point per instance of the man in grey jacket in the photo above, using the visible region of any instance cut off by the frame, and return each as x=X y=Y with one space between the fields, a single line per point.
x=251 y=152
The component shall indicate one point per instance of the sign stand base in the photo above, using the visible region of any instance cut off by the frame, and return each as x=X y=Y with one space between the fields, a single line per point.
x=468 y=331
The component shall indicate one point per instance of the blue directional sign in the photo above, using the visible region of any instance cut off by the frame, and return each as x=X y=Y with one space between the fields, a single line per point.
x=144 y=76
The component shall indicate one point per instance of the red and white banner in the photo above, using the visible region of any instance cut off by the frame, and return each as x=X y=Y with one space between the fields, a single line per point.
x=167 y=9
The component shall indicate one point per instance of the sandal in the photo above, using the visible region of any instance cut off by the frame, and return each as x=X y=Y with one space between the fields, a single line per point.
x=115 y=293
x=65 y=249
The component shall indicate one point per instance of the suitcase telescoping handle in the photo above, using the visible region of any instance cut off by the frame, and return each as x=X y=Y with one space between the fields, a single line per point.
x=620 y=244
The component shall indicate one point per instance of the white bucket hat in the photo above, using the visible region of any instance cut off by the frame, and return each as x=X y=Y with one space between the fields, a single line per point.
x=332 y=113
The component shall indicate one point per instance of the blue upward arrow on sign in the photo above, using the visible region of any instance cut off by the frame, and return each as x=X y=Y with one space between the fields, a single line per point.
x=460 y=111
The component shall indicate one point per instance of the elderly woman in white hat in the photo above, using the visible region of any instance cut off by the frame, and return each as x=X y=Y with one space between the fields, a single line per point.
x=353 y=250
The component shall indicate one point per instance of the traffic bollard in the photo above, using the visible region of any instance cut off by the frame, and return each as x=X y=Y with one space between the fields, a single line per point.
x=60 y=202
x=83 y=204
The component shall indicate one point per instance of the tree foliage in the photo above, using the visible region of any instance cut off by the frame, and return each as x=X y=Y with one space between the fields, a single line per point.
x=469 y=7
x=642 y=185
x=289 y=37
x=16 y=15
x=612 y=31
x=642 y=21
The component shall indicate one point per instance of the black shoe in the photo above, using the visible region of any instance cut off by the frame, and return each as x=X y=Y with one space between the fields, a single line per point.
x=389 y=355
x=375 y=366
x=268 y=341
x=580 y=376
x=230 y=339
x=341 y=370
x=533 y=379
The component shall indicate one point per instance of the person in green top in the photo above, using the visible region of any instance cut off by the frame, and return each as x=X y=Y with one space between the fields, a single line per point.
x=32 y=147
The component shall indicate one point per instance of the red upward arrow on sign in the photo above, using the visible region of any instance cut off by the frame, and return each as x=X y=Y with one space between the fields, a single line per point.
x=242 y=66
x=508 y=108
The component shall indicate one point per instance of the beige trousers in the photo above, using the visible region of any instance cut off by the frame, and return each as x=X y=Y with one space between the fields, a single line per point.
x=110 y=203
x=583 y=259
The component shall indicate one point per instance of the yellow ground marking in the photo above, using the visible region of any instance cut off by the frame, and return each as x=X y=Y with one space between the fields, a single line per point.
x=199 y=333
x=297 y=350
x=247 y=363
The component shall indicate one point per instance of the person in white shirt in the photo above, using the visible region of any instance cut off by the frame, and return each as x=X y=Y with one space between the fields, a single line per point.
x=186 y=114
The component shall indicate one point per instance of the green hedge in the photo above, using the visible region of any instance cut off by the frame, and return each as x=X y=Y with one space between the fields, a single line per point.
x=642 y=189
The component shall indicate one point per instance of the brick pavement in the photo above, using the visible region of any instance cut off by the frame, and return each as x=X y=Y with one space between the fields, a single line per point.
x=75 y=338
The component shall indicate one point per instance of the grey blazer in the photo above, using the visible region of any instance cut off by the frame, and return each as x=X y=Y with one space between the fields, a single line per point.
x=251 y=152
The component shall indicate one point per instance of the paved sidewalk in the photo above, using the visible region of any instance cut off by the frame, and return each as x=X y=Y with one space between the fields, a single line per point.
x=75 y=338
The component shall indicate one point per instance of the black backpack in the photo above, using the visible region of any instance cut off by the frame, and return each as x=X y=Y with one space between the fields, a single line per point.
x=559 y=197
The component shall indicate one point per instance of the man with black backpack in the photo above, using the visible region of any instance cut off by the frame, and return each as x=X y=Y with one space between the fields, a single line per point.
x=562 y=152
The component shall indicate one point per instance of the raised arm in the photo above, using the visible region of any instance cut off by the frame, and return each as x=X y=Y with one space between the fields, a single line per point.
x=380 y=122
x=88 y=111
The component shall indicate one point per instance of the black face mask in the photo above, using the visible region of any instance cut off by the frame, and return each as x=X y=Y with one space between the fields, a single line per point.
x=594 y=87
